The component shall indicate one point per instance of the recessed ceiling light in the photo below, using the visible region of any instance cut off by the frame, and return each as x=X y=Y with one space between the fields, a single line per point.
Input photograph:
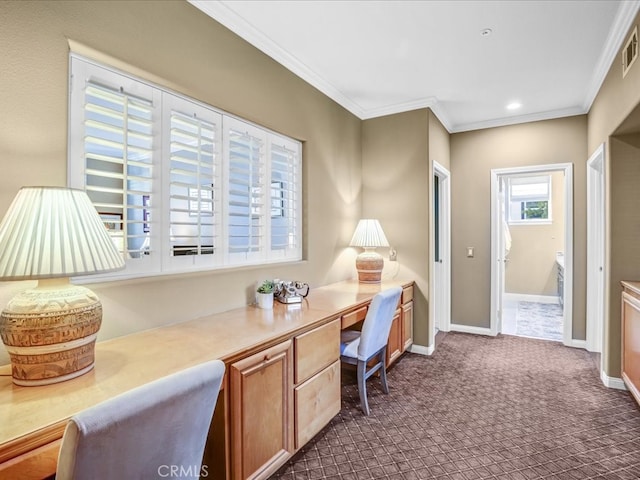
x=486 y=32
x=514 y=106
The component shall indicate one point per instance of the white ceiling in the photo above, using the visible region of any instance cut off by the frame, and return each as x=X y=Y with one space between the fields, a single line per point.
x=381 y=57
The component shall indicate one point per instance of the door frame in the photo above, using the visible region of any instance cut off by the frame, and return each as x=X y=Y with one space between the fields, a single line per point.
x=497 y=260
x=596 y=248
x=441 y=293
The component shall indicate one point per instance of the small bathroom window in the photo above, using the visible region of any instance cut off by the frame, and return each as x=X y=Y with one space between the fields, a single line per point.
x=529 y=199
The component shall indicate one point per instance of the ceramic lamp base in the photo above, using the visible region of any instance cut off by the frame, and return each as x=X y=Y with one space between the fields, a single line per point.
x=369 y=265
x=50 y=332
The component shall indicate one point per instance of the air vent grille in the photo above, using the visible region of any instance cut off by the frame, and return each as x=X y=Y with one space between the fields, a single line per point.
x=630 y=51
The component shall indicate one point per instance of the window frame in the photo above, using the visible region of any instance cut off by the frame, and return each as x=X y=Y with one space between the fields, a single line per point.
x=521 y=200
x=161 y=259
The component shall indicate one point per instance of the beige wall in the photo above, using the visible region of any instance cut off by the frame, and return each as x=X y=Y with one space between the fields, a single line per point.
x=617 y=99
x=532 y=268
x=439 y=142
x=625 y=235
x=473 y=155
x=395 y=176
x=175 y=42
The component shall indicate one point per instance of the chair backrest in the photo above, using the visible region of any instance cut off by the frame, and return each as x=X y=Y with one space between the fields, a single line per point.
x=377 y=323
x=153 y=431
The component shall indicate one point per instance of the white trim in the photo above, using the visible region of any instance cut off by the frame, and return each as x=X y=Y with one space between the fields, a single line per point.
x=625 y=16
x=238 y=25
x=469 y=329
x=612 y=382
x=422 y=350
x=443 y=295
x=496 y=256
x=523 y=297
x=234 y=22
x=532 y=117
x=596 y=239
x=573 y=343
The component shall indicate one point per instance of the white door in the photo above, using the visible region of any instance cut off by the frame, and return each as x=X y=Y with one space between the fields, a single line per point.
x=498 y=193
x=595 y=249
x=440 y=291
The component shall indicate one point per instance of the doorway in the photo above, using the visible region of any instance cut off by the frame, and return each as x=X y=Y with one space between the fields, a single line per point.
x=440 y=284
x=517 y=200
x=595 y=249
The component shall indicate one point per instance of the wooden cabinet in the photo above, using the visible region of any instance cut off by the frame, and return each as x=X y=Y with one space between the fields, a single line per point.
x=317 y=376
x=631 y=337
x=407 y=325
x=262 y=412
x=394 y=344
x=293 y=384
x=282 y=384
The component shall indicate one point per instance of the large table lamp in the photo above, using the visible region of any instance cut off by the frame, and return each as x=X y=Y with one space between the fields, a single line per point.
x=51 y=234
x=369 y=235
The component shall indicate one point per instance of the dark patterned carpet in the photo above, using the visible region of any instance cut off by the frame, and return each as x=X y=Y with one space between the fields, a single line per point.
x=500 y=407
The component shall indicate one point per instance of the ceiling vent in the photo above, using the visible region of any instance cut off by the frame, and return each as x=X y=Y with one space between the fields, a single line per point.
x=630 y=51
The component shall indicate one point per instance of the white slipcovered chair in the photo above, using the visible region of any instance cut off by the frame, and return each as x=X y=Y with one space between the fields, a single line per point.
x=359 y=348
x=157 y=430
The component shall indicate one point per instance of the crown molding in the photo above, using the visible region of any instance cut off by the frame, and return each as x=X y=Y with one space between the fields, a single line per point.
x=533 y=117
x=427 y=102
x=224 y=15
x=622 y=23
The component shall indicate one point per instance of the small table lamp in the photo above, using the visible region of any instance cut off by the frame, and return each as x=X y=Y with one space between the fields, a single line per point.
x=51 y=234
x=369 y=263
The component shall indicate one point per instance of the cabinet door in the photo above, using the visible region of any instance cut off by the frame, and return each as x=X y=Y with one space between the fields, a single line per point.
x=631 y=344
x=407 y=325
x=317 y=402
x=394 y=344
x=316 y=349
x=261 y=412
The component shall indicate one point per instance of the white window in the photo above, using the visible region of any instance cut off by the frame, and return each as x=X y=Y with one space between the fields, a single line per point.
x=529 y=199
x=180 y=185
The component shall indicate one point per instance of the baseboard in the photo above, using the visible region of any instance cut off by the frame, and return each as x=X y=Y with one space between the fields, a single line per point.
x=470 y=329
x=577 y=344
x=523 y=297
x=422 y=350
x=612 y=382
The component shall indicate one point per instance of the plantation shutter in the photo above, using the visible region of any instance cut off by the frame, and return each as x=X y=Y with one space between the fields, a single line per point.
x=246 y=184
x=285 y=199
x=194 y=183
x=180 y=185
x=117 y=152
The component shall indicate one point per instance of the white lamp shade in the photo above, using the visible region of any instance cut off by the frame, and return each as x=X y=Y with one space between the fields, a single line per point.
x=51 y=232
x=369 y=234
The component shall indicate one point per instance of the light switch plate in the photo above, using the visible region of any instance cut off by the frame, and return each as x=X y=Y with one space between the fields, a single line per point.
x=470 y=252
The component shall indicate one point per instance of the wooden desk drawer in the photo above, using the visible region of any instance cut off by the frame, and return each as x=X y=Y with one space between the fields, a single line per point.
x=316 y=349
x=407 y=294
x=317 y=401
x=354 y=317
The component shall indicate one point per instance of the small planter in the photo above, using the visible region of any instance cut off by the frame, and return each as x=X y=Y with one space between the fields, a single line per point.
x=264 y=300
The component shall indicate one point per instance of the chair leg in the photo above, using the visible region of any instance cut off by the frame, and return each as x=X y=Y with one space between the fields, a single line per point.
x=362 y=386
x=383 y=372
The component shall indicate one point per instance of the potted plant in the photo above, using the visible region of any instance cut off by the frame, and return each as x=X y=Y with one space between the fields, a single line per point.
x=264 y=294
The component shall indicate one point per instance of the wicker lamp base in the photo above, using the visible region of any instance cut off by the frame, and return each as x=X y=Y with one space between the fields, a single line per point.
x=369 y=265
x=50 y=332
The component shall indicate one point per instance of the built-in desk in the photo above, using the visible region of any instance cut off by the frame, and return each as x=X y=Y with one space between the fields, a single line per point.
x=287 y=340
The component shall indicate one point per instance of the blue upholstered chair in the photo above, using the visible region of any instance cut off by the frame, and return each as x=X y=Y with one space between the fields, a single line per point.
x=359 y=348
x=156 y=430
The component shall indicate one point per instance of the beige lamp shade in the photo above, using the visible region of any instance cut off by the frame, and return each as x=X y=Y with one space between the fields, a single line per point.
x=369 y=234
x=369 y=264
x=51 y=234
